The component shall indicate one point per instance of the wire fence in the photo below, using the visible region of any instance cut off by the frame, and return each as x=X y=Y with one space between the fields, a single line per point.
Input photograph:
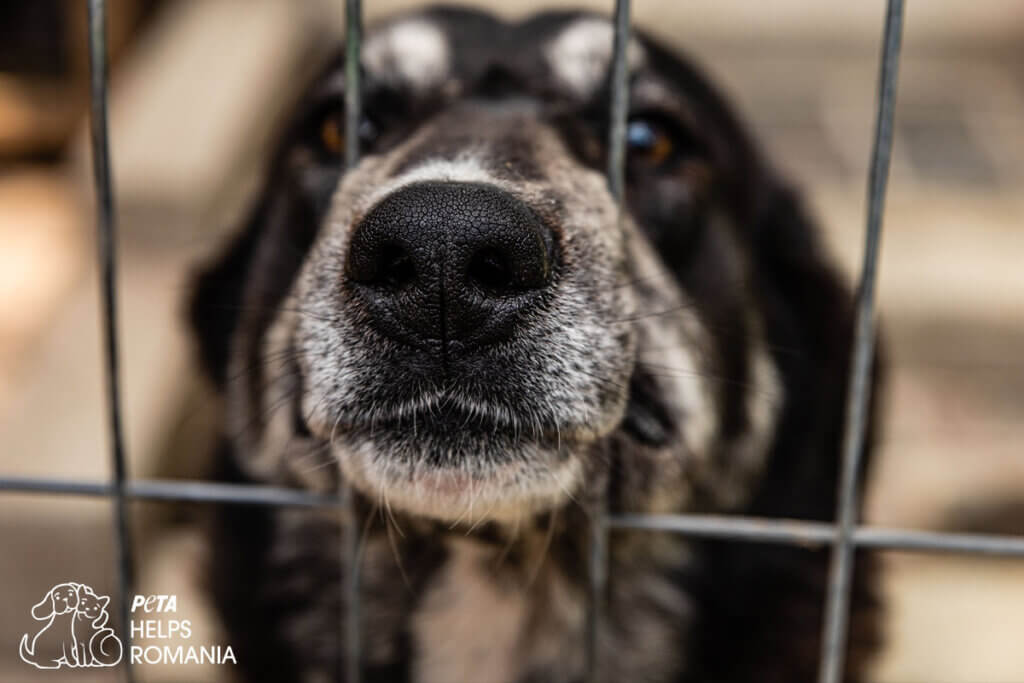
x=844 y=537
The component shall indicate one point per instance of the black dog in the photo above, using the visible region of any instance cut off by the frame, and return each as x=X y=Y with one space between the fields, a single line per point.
x=463 y=329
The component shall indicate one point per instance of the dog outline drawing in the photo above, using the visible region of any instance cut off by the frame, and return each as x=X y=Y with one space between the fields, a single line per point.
x=71 y=636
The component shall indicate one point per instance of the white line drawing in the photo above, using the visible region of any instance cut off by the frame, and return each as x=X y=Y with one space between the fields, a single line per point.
x=75 y=633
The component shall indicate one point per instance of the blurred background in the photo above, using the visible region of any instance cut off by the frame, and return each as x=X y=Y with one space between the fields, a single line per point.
x=198 y=88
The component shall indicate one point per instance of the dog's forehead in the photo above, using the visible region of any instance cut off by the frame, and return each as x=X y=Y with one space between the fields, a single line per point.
x=421 y=52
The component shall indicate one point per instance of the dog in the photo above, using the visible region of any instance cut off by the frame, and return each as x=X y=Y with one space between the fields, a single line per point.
x=54 y=644
x=464 y=329
x=75 y=633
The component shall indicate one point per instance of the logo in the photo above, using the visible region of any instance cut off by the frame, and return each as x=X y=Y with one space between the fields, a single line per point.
x=154 y=618
x=75 y=632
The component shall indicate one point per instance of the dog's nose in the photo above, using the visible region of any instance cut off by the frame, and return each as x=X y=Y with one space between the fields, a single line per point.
x=456 y=263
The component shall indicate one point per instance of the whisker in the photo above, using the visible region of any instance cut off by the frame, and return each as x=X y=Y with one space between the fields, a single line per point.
x=303 y=312
x=667 y=371
x=545 y=549
x=507 y=548
x=638 y=316
x=398 y=560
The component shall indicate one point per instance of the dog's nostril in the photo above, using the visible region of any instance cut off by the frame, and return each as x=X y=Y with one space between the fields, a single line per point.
x=490 y=269
x=388 y=265
x=396 y=268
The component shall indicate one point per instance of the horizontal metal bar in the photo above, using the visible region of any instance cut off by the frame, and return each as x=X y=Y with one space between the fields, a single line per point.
x=757 y=529
x=735 y=527
x=937 y=541
x=171 y=490
x=799 y=532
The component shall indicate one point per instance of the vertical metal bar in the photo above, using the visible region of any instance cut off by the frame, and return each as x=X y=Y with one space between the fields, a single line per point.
x=599 y=527
x=350 y=524
x=619 y=108
x=597 y=575
x=353 y=83
x=858 y=396
x=350 y=600
x=106 y=247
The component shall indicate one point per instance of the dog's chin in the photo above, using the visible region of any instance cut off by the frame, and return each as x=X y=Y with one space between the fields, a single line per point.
x=462 y=487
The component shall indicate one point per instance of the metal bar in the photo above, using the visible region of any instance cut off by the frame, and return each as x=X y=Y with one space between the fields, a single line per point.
x=778 y=531
x=837 y=606
x=597 y=578
x=353 y=80
x=58 y=487
x=727 y=527
x=174 y=491
x=350 y=518
x=912 y=540
x=243 y=494
x=618 y=112
x=619 y=106
x=106 y=248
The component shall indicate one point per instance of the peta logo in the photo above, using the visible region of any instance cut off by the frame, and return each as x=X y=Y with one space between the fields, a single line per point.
x=74 y=632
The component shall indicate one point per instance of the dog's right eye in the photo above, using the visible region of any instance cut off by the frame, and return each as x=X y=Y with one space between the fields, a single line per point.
x=325 y=132
x=332 y=135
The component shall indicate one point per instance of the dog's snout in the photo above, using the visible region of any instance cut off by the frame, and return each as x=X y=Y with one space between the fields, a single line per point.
x=455 y=263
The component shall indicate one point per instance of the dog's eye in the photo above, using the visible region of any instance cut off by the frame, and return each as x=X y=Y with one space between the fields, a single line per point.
x=650 y=143
x=332 y=135
x=658 y=142
x=328 y=133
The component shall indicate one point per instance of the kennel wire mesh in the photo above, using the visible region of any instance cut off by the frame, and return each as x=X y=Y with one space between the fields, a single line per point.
x=844 y=536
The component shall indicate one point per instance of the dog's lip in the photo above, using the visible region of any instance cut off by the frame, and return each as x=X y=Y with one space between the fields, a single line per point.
x=446 y=416
x=451 y=421
x=441 y=420
x=441 y=415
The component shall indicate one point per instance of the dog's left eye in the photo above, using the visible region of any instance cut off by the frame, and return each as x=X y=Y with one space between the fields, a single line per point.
x=653 y=143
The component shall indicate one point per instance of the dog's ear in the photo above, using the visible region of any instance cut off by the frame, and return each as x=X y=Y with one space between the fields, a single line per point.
x=253 y=272
x=249 y=278
x=802 y=278
x=216 y=299
x=45 y=608
x=810 y=319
